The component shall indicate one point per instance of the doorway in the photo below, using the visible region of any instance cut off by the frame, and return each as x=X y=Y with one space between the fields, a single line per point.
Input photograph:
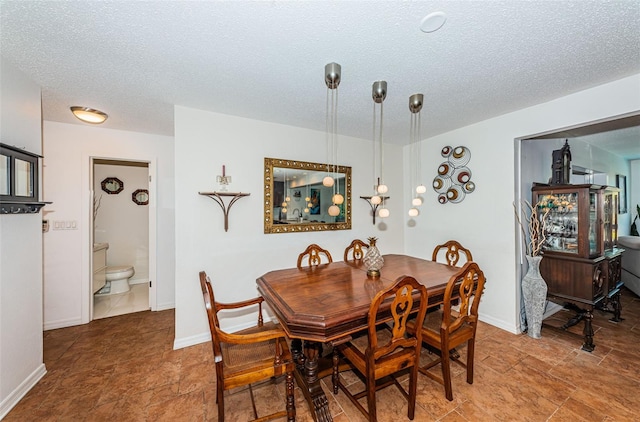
x=122 y=224
x=617 y=134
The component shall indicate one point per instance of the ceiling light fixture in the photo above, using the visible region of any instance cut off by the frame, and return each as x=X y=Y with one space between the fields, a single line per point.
x=89 y=115
x=332 y=74
x=433 y=21
x=379 y=93
x=415 y=106
x=377 y=200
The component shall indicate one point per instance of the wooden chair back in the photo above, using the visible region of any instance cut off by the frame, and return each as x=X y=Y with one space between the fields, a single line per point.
x=467 y=286
x=388 y=346
x=400 y=309
x=256 y=354
x=448 y=328
x=451 y=251
x=313 y=256
x=355 y=251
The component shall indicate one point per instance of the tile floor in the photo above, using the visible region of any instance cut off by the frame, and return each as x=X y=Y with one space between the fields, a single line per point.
x=135 y=300
x=124 y=369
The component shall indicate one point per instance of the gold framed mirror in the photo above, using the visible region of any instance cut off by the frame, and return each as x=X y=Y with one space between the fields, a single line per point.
x=295 y=199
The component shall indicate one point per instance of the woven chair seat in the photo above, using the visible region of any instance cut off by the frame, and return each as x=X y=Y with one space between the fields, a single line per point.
x=247 y=355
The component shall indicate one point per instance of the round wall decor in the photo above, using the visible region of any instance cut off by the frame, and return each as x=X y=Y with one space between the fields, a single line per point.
x=140 y=197
x=453 y=181
x=112 y=185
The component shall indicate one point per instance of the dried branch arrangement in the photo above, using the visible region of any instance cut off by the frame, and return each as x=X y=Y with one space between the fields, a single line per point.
x=536 y=223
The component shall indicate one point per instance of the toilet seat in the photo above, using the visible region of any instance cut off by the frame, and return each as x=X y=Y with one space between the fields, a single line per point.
x=119 y=271
x=118 y=278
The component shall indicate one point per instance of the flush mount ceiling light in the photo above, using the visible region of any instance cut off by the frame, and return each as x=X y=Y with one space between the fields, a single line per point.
x=89 y=115
x=432 y=22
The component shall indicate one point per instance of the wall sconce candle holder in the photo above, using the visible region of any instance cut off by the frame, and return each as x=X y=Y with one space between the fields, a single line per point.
x=374 y=207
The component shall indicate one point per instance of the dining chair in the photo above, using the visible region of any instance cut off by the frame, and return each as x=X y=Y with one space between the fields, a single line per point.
x=355 y=251
x=386 y=348
x=248 y=356
x=313 y=255
x=451 y=251
x=447 y=328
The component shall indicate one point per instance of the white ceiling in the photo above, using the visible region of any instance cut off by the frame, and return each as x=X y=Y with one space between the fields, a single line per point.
x=265 y=59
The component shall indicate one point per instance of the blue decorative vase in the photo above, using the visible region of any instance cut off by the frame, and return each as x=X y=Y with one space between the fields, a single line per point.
x=534 y=293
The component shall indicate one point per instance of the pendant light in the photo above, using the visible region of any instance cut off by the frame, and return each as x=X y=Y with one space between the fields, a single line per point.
x=332 y=80
x=415 y=106
x=379 y=93
x=332 y=75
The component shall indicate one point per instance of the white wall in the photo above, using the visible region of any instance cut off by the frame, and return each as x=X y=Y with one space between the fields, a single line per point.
x=67 y=150
x=122 y=223
x=21 y=363
x=204 y=141
x=484 y=221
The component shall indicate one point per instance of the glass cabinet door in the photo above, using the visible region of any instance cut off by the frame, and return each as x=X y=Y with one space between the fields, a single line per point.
x=593 y=223
x=575 y=220
x=562 y=222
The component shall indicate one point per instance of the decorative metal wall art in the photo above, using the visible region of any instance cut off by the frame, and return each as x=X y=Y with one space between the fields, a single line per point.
x=453 y=181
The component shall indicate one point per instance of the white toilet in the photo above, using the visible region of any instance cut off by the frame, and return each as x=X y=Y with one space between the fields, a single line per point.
x=118 y=278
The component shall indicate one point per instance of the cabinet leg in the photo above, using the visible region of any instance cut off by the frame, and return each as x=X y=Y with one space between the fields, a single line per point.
x=309 y=382
x=588 y=345
x=617 y=308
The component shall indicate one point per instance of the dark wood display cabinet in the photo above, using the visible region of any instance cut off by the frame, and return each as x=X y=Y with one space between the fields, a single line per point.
x=582 y=263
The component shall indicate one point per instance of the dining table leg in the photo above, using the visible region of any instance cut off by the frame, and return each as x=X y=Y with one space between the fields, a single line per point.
x=307 y=378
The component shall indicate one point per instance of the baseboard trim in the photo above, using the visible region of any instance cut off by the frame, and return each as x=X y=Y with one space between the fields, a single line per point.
x=180 y=343
x=499 y=324
x=16 y=395
x=165 y=306
x=63 y=323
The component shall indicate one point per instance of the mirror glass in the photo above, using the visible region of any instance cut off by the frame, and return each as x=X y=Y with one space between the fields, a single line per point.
x=140 y=197
x=112 y=185
x=24 y=179
x=295 y=199
x=4 y=175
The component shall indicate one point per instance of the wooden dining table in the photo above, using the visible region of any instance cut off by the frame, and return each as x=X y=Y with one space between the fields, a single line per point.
x=327 y=303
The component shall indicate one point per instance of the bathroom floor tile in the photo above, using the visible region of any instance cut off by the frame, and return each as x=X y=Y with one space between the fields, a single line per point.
x=124 y=368
x=135 y=300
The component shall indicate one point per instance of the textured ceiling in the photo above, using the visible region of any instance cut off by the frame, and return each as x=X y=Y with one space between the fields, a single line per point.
x=265 y=60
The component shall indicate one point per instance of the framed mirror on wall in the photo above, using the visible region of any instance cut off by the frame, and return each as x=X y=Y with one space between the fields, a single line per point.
x=295 y=200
